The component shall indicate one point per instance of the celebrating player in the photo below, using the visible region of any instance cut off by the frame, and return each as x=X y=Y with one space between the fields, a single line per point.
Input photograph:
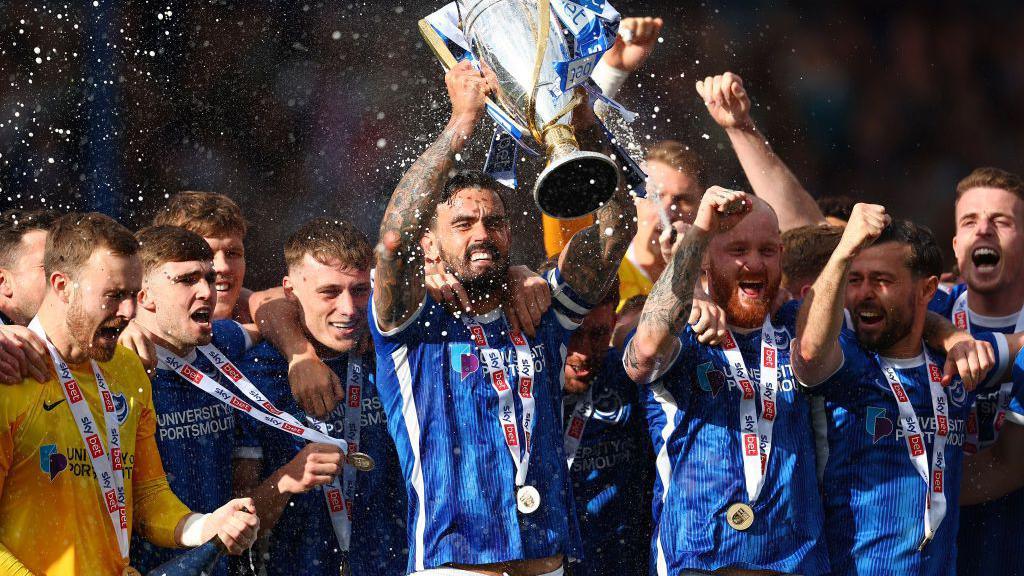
x=896 y=428
x=329 y=278
x=462 y=392
x=989 y=246
x=84 y=439
x=738 y=488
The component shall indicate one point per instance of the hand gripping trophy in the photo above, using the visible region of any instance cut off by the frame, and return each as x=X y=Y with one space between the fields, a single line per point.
x=542 y=53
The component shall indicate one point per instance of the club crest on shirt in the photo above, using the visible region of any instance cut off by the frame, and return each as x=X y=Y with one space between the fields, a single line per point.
x=877 y=424
x=464 y=362
x=609 y=407
x=52 y=462
x=710 y=379
x=957 y=392
x=121 y=407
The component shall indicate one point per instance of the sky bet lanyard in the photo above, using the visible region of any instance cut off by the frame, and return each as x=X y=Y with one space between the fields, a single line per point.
x=346 y=488
x=333 y=493
x=108 y=464
x=581 y=414
x=494 y=366
x=962 y=320
x=756 y=432
x=935 y=497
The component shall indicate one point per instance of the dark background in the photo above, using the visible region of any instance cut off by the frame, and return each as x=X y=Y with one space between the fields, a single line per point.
x=304 y=109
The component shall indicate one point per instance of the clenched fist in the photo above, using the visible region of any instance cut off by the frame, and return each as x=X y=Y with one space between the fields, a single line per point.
x=726 y=99
x=865 y=226
x=635 y=42
x=721 y=209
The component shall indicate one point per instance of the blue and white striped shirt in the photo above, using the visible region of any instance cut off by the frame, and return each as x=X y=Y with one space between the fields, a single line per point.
x=442 y=414
x=693 y=415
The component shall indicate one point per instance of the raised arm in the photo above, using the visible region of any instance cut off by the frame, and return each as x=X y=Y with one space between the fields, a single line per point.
x=769 y=177
x=590 y=261
x=399 y=287
x=671 y=299
x=821 y=315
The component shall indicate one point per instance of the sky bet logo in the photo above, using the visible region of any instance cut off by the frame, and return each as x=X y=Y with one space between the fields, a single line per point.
x=877 y=424
x=52 y=462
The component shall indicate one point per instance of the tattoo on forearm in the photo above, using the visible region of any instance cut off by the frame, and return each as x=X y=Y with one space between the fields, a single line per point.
x=671 y=298
x=399 y=284
x=594 y=254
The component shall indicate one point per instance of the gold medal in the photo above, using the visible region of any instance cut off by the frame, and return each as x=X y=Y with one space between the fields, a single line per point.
x=527 y=499
x=361 y=461
x=344 y=570
x=740 y=516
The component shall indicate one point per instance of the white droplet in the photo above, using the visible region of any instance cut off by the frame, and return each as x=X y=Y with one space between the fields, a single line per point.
x=382 y=143
x=336 y=35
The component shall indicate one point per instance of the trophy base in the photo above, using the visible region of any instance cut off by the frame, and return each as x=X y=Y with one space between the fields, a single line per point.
x=576 y=184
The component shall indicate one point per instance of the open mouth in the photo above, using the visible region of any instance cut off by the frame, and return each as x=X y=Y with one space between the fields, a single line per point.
x=222 y=286
x=201 y=316
x=753 y=289
x=985 y=259
x=110 y=332
x=350 y=325
x=870 y=317
x=481 y=256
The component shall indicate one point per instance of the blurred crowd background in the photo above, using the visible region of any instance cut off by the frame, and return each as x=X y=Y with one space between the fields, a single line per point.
x=302 y=109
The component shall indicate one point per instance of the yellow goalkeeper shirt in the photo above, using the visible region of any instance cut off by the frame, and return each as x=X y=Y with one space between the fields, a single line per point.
x=52 y=518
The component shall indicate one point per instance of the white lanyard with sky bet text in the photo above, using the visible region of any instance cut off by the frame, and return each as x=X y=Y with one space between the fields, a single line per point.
x=934 y=479
x=108 y=462
x=756 y=432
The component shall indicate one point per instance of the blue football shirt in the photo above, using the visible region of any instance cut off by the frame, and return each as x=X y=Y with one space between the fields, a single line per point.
x=990 y=533
x=196 y=435
x=874 y=497
x=303 y=540
x=443 y=416
x=693 y=414
x=612 y=477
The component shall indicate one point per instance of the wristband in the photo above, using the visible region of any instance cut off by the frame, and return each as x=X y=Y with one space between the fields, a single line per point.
x=609 y=78
x=192 y=530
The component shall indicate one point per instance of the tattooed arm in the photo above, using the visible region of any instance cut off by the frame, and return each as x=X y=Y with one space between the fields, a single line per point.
x=671 y=299
x=399 y=286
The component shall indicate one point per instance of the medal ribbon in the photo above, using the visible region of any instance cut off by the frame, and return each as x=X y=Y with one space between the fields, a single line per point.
x=338 y=499
x=108 y=463
x=755 y=432
x=934 y=478
x=577 y=423
x=494 y=366
x=962 y=320
x=340 y=494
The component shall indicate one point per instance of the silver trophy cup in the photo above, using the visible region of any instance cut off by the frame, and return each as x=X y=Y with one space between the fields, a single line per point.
x=513 y=40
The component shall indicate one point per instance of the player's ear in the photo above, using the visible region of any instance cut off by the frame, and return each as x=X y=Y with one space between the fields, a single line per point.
x=429 y=245
x=145 y=299
x=928 y=288
x=6 y=287
x=289 y=288
x=63 y=285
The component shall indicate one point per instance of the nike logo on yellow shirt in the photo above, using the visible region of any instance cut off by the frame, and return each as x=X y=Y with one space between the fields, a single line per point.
x=49 y=407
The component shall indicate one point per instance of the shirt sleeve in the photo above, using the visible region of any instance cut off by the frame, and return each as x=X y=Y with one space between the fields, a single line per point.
x=569 y=307
x=10 y=565
x=855 y=368
x=156 y=510
x=1015 y=412
x=9 y=421
x=999 y=373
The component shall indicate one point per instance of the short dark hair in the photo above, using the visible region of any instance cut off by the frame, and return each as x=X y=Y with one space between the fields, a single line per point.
x=14 y=225
x=925 y=256
x=836 y=206
x=206 y=213
x=159 y=245
x=74 y=237
x=327 y=240
x=806 y=250
x=465 y=179
x=989 y=177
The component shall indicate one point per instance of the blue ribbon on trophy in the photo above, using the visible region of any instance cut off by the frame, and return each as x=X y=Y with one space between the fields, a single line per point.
x=533 y=116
